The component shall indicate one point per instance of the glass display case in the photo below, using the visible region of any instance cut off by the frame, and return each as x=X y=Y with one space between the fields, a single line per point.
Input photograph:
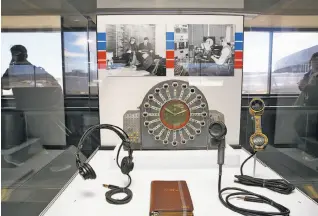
x=191 y=90
x=47 y=86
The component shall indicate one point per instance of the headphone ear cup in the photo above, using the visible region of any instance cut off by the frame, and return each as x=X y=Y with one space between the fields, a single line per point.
x=87 y=172
x=127 y=165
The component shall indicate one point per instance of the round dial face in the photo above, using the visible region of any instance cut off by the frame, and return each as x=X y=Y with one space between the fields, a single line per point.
x=175 y=114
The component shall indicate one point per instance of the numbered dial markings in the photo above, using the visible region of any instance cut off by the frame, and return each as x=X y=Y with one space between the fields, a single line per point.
x=174 y=113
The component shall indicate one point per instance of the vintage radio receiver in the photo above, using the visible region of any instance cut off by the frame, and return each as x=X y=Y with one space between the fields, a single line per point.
x=172 y=115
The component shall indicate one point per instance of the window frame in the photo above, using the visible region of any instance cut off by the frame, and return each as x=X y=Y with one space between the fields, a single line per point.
x=87 y=29
x=271 y=32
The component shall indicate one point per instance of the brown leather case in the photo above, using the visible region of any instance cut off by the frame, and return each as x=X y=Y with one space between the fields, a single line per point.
x=170 y=198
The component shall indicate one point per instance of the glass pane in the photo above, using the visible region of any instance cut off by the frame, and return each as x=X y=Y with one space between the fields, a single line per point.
x=39 y=124
x=291 y=54
x=76 y=59
x=50 y=97
x=256 y=61
x=33 y=132
x=290 y=118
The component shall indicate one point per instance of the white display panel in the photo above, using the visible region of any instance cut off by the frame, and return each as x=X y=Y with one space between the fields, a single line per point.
x=119 y=94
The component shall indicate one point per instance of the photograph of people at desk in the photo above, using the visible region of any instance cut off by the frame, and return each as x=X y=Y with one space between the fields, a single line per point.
x=204 y=50
x=132 y=50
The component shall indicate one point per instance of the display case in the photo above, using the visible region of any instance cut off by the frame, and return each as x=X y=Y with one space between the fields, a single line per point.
x=210 y=106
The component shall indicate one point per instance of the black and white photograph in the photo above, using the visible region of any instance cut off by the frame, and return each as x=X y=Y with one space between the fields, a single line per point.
x=132 y=50
x=204 y=50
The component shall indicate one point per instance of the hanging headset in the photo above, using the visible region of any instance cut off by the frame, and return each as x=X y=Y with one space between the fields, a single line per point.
x=126 y=165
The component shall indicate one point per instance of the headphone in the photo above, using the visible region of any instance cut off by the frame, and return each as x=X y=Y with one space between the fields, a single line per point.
x=258 y=140
x=126 y=165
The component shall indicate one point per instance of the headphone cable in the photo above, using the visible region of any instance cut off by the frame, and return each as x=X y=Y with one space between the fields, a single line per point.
x=116 y=189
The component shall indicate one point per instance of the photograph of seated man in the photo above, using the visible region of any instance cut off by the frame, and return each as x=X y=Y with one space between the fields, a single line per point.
x=226 y=53
x=131 y=53
x=134 y=51
x=145 y=54
x=211 y=55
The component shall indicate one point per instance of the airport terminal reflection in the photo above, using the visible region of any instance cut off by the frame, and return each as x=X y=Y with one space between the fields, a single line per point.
x=286 y=64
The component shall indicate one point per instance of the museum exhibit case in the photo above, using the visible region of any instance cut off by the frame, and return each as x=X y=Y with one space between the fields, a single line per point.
x=159 y=107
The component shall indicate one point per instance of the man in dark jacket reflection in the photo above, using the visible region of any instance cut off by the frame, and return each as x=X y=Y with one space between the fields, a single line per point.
x=306 y=124
x=38 y=95
x=21 y=73
x=309 y=84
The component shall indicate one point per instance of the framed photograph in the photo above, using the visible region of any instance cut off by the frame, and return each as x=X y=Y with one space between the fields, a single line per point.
x=204 y=49
x=131 y=50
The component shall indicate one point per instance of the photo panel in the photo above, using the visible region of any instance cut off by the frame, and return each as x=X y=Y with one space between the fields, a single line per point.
x=122 y=98
x=131 y=50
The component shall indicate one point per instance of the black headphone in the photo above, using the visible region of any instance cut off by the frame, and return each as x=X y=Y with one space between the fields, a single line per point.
x=126 y=165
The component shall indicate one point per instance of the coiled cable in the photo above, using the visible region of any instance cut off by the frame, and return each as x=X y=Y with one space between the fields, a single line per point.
x=277 y=185
x=116 y=189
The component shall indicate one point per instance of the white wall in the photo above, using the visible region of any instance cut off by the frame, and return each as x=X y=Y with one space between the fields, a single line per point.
x=119 y=94
x=160 y=41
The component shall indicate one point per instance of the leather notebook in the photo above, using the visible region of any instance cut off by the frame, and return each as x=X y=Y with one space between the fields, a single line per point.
x=170 y=198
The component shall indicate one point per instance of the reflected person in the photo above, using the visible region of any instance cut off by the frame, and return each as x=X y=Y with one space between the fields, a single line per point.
x=306 y=122
x=21 y=73
x=38 y=95
x=309 y=84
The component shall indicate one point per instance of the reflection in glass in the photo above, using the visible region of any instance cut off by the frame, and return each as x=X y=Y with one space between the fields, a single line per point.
x=40 y=53
x=256 y=59
x=75 y=61
x=33 y=121
x=290 y=59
